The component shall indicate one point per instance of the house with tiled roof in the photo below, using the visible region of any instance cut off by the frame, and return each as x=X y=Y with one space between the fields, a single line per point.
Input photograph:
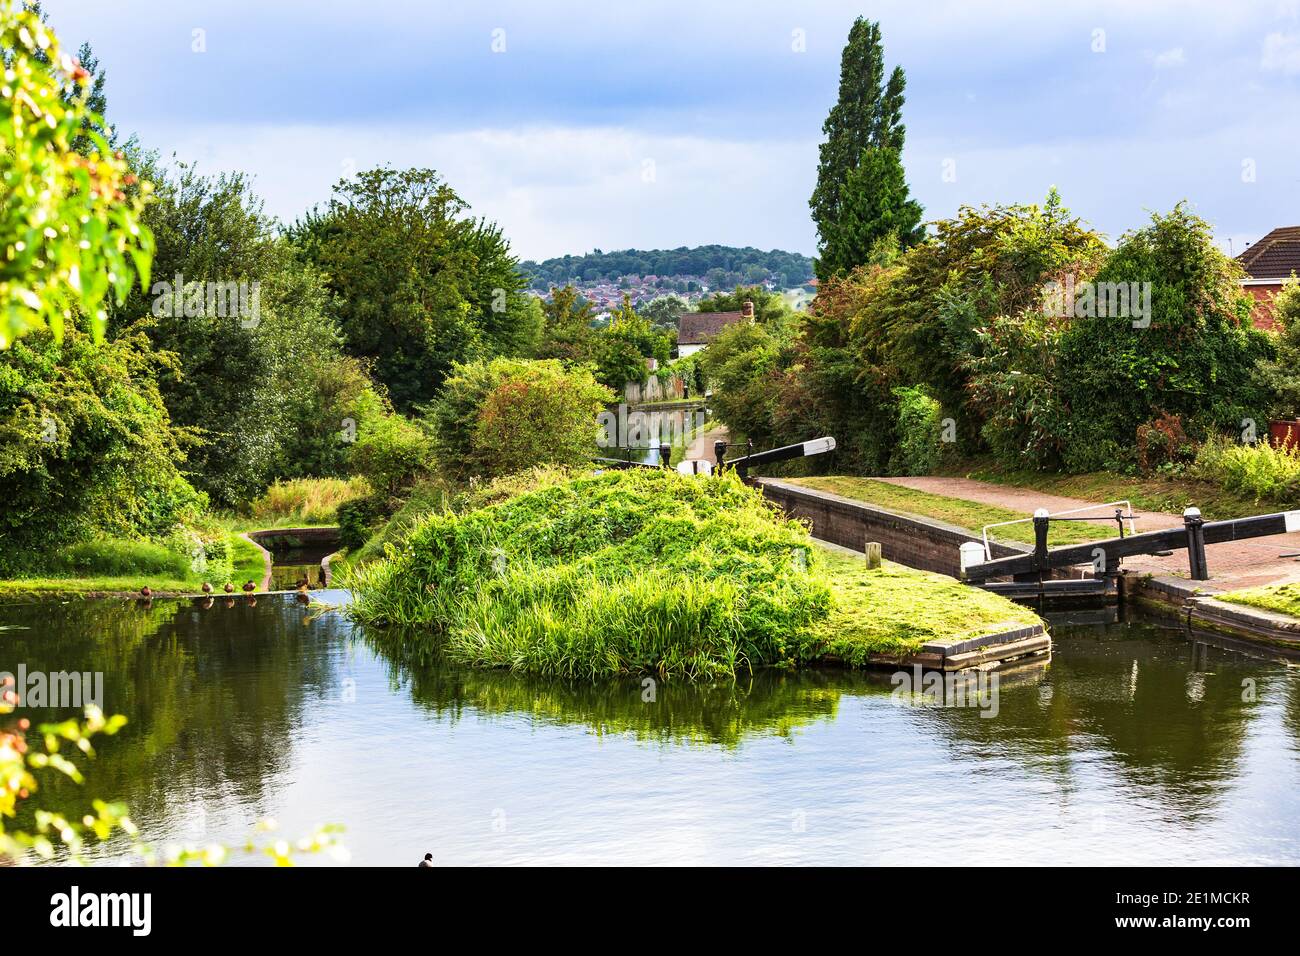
x=1268 y=264
x=696 y=329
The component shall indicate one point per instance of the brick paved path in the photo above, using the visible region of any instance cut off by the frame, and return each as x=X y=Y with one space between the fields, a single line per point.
x=1235 y=564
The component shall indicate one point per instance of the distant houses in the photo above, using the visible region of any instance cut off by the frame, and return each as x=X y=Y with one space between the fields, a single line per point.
x=1268 y=264
x=696 y=329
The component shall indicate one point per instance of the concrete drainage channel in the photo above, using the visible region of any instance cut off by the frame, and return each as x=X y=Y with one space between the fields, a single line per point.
x=298 y=548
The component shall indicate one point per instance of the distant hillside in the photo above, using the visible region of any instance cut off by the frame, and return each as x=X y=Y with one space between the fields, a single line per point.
x=719 y=266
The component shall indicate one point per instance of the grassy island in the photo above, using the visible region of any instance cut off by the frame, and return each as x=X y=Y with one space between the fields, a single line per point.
x=648 y=571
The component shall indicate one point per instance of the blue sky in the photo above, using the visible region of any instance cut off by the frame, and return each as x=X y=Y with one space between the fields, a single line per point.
x=613 y=124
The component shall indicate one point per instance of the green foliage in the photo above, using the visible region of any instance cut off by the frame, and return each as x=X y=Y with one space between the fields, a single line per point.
x=626 y=572
x=739 y=365
x=919 y=431
x=390 y=452
x=623 y=346
x=985 y=263
x=1279 y=376
x=790 y=267
x=420 y=285
x=70 y=223
x=1260 y=469
x=1015 y=381
x=86 y=446
x=506 y=415
x=861 y=194
x=1194 y=361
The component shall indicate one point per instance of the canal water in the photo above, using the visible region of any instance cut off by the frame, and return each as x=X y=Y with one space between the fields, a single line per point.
x=1133 y=746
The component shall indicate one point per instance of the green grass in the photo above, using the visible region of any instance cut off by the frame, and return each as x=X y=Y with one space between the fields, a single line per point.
x=1281 y=598
x=1170 y=495
x=896 y=609
x=646 y=571
x=305 y=502
x=118 y=567
x=247 y=563
x=972 y=515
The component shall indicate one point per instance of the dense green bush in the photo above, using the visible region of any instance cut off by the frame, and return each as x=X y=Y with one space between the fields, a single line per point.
x=86 y=446
x=920 y=433
x=625 y=572
x=1280 y=377
x=1195 y=360
x=507 y=415
x=1259 y=469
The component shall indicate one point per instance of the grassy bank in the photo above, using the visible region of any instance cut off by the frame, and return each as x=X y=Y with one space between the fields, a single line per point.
x=895 y=609
x=1154 y=493
x=972 y=515
x=1280 y=598
x=115 y=567
x=650 y=572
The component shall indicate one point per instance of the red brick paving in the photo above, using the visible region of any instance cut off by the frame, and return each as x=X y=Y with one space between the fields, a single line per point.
x=1235 y=564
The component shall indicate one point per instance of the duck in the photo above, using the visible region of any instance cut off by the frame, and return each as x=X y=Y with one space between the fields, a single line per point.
x=303 y=584
x=249 y=587
x=229 y=588
x=207 y=588
x=146 y=592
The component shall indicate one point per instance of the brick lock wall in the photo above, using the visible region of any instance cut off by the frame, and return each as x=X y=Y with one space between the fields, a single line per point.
x=916 y=542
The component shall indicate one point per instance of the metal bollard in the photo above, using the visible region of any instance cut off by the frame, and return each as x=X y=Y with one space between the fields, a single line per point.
x=1194 y=523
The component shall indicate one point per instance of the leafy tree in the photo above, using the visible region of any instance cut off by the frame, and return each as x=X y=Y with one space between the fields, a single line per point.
x=420 y=285
x=1193 y=361
x=391 y=452
x=566 y=332
x=861 y=194
x=663 y=311
x=70 y=231
x=86 y=445
x=1280 y=376
x=874 y=209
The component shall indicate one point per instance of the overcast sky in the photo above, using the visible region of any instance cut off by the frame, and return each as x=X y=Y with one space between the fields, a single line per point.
x=621 y=124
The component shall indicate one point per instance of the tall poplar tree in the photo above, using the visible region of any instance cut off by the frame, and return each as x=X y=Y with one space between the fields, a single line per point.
x=861 y=196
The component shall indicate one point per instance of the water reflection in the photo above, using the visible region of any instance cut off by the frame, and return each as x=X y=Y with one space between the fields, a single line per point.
x=240 y=709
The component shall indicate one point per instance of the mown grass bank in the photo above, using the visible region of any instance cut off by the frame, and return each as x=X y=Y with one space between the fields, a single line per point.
x=1280 y=598
x=648 y=571
x=972 y=515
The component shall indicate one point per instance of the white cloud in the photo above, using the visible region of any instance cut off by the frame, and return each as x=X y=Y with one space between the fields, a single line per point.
x=553 y=189
x=1168 y=58
x=1281 y=53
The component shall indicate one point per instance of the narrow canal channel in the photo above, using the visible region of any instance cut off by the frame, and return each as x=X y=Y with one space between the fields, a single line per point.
x=1134 y=745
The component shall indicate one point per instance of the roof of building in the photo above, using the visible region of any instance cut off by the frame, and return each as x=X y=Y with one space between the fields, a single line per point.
x=1275 y=256
x=696 y=328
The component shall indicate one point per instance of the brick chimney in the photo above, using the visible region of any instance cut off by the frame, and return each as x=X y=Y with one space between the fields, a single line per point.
x=747 y=310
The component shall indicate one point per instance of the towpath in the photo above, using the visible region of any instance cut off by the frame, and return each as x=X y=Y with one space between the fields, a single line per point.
x=1233 y=564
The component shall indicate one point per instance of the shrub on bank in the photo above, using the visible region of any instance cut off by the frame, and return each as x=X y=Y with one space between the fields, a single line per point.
x=1260 y=469
x=307 y=500
x=507 y=415
x=115 y=557
x=624 y=572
